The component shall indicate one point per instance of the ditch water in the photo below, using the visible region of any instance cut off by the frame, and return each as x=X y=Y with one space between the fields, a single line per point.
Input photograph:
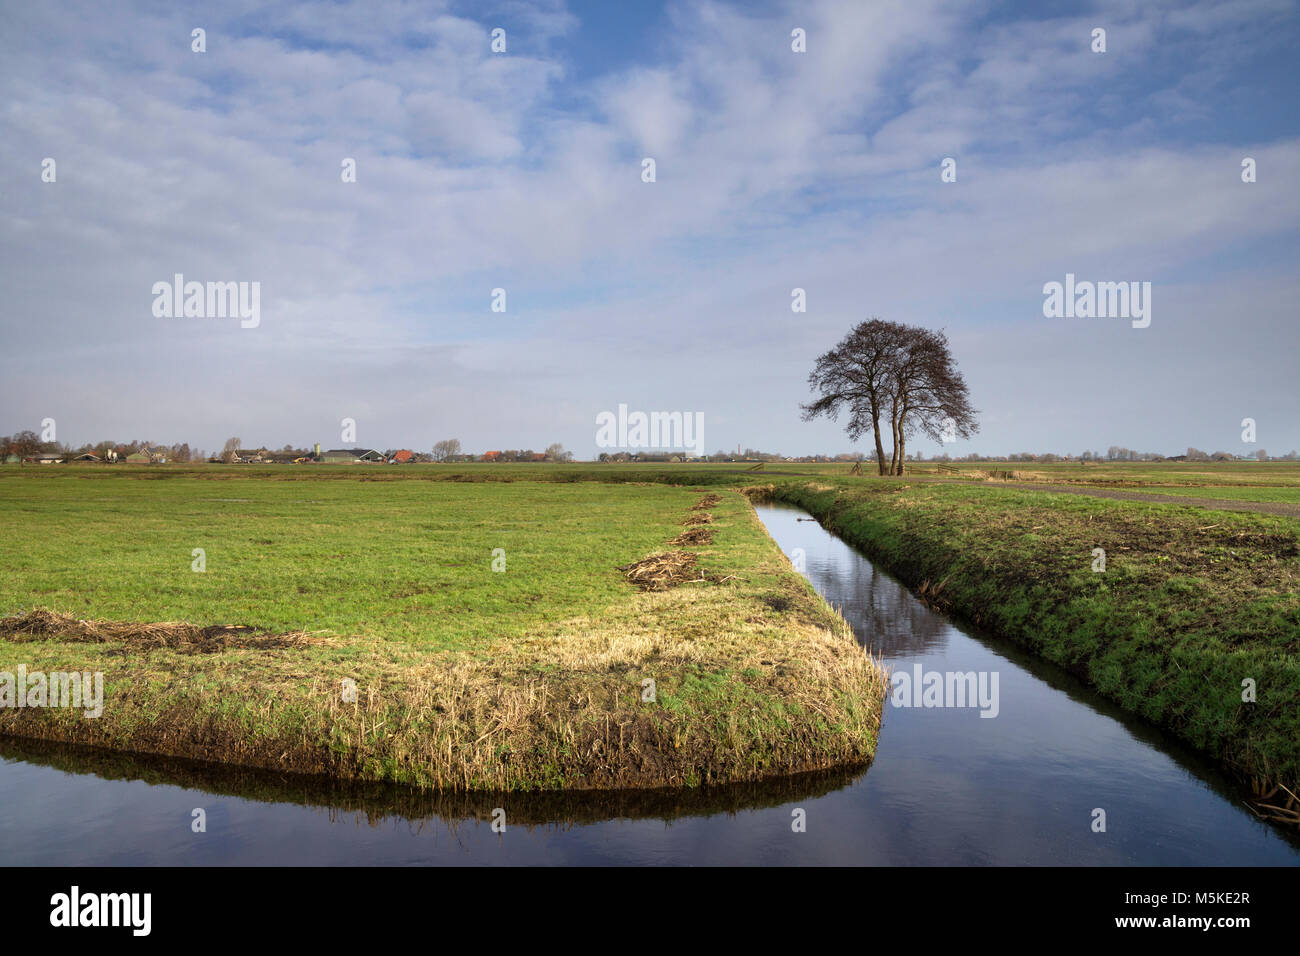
x=947 y=786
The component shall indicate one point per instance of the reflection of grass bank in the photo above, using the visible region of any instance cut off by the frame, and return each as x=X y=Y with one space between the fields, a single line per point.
x=1191 y=604
x=381 y=801
x=466 y=678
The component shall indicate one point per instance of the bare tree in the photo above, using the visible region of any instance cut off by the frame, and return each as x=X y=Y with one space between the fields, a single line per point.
x=446 y=449
x=556 y=452
x=26 y=443
x=927 y=394
x=890 y=372
x=231 y=449
x=855 y=376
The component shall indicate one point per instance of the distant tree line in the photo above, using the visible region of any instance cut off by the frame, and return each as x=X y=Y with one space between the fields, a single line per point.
x=28 y=443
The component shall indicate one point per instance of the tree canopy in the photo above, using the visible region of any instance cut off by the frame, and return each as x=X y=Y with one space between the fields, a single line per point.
x=887 y=373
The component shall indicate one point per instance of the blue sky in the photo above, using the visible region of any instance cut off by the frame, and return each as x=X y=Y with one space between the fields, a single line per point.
x=775 y=170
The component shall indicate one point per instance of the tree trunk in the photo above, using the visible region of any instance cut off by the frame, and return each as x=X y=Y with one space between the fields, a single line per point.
x=880 y=449
x=893 y=455
x=902 y=450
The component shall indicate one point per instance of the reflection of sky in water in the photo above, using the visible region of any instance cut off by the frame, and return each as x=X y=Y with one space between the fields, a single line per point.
x=947 y=786
x=886 y=617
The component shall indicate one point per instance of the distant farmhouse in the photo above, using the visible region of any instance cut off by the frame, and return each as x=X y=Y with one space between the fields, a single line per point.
x=340 y=456
x=146 y=456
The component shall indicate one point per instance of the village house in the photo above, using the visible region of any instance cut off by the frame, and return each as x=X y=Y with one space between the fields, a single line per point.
x=146 y=456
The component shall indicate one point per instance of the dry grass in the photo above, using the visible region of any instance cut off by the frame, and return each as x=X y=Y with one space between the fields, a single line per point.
x=1275 y=802
x=698 y=519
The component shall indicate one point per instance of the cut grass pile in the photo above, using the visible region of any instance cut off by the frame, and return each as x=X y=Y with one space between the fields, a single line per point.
x=44 y=624
x=695 y=536
x=659 y=572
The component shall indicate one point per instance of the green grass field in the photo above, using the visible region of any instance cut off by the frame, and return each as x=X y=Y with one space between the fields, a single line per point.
x=408 y=561
x=468 y=677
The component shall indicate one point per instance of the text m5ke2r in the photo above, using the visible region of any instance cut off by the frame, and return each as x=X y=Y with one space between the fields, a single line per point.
x=1223 y=897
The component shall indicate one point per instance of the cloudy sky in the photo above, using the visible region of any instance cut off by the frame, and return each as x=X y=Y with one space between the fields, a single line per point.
x=522 y=171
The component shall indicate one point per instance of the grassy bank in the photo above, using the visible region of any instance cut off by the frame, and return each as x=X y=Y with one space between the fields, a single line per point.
x=528 y=677
x=1191 y=602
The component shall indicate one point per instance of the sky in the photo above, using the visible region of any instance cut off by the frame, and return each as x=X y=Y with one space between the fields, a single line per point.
x=522 y=171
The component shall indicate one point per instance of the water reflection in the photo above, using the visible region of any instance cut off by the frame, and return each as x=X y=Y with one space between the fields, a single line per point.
x=377 y=803
x=887 y=618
